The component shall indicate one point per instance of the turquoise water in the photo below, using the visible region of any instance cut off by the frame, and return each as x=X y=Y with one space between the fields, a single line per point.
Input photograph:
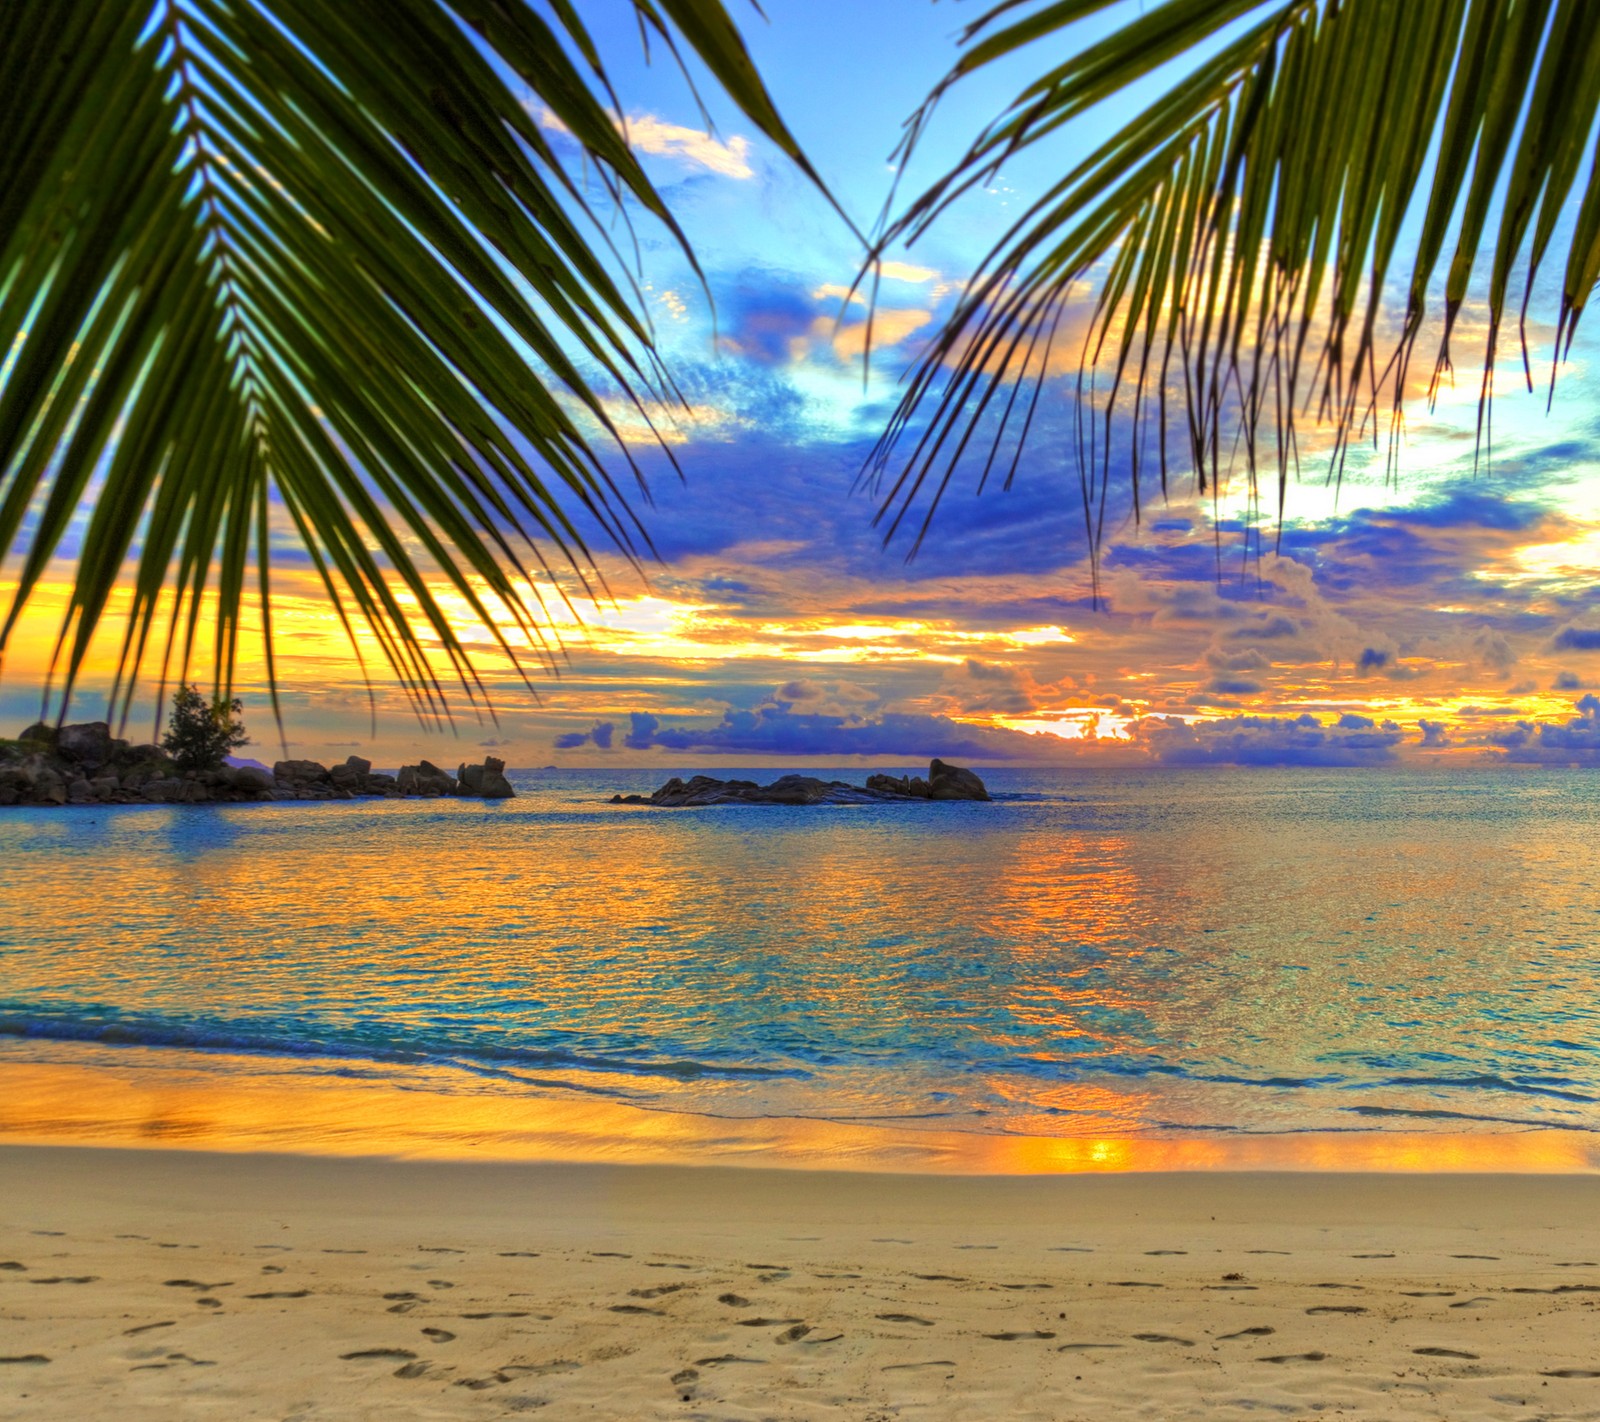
x=1115 y=952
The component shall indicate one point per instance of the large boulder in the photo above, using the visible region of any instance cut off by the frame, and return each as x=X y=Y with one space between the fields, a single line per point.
x=300 y=774
x=487 y=781
x=954 y=782
x=88 y=744
x=250 y=778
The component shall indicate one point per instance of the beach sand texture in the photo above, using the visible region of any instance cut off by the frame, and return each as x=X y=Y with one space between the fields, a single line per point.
x=169 y=1284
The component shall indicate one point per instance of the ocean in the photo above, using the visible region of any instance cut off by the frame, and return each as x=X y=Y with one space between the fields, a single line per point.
x=1196 y=956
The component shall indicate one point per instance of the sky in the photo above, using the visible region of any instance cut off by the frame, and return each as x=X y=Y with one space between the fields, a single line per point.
x=1449 y=616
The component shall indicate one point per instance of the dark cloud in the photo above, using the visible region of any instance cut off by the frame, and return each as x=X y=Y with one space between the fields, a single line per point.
x=1271 y=740
x=1571 y=742
x=1577 y=639
x=1568 y=681
x=599 y=734
x=1372 y=658
x=776 y=730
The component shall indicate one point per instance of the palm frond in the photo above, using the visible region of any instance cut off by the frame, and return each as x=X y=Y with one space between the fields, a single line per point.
x=1242 y=230
x=264 y=255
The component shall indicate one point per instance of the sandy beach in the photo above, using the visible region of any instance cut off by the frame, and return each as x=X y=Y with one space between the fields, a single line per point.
x=172 y=1284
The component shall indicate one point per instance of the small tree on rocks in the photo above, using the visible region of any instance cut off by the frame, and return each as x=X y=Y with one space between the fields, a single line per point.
x=201 y=731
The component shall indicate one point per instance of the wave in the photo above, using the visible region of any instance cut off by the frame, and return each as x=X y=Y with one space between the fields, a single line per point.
x=485 y=1058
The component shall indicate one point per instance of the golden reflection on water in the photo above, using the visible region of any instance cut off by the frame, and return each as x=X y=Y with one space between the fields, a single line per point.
x=168 y=1104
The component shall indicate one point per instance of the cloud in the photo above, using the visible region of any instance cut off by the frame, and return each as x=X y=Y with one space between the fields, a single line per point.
x=890 y=326
x=905 y=271
x=1270 y=740
x=599 y=735
x=1572 y=742
x=1372 y=658
x=647 y=133
x=1435 y=734
x=777 y=730
x=1568 y=681
x=1577 y=639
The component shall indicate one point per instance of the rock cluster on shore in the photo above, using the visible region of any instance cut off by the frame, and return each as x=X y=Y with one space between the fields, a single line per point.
x=87 y=765
x=944 y=782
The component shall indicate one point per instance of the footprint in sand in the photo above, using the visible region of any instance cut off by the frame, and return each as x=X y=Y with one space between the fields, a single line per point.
x=656 y=1292
x=509 y=1313
x=1164 y=1338
x=71 y=1279
x=1014 y=1337
x=905 y=1318
x=393 y=1355
x=272 y=1268
x=607 y=1254
x=684 y=1375
x=1084 y=1347
x=724 y=1358
x=764 y=1322
x=518 y=1254
x=1336 y=1308
x=637 y=1308
x=733 y=1300
x=440 y=1284
x=1133 y=1284
x=11 y=1264
x=794 y=1334
x=1023 y=1286
x=1444 y=1353
x=887 y=1240
x=1269 y=1251
x=147 y=1328
x=25 y=1358
x=1472 y=1303
x=977 y=1246
x=196 y=1284
x=1428 y=1293
x=1372 y=1256
x=421 y=1249
x=1552 y=1373
x=1474 y=1256
x=282 y=1294
x=1294 y=1358
x=439 y=1335
x=411 y=1370
x=1259 y=1331
x=688 y=1268
x=931 y=1363
x=1154 y=1252
x=1068 y=1249
x=355 y=1251
x=1560 y=1264
x=941 y=1278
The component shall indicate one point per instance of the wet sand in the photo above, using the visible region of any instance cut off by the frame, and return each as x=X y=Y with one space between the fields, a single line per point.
x=170 y=1284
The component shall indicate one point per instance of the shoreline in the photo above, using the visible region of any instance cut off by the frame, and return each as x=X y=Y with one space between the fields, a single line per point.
x=248 y=1286
x=225 y=1104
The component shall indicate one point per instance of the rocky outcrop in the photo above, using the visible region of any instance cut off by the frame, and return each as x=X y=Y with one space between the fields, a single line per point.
x=86 y=765
x=944 y=782
x=487 y=780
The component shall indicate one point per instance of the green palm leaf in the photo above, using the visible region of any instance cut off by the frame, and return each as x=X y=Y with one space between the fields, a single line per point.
x=1242 y=229
x=268 y=260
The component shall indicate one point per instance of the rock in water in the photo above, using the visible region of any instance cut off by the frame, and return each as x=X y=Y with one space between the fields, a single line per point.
x=954 y=782
x=945 y=782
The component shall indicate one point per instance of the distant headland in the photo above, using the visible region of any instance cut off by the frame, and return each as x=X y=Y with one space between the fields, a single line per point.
x=944 y=782
x=87 y=765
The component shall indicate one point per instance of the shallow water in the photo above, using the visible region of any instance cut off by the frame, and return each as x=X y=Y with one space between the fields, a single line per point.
x=1111 y=954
